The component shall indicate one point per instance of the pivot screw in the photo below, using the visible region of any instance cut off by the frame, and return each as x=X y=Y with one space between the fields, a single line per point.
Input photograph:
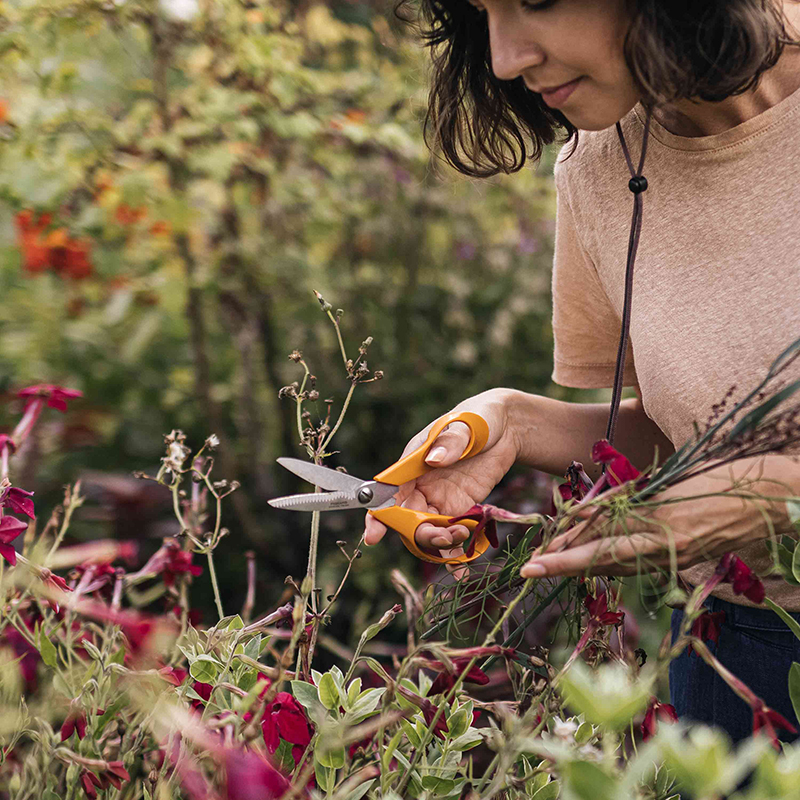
x=364 y=496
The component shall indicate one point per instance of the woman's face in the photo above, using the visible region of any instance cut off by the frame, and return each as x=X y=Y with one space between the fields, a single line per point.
x=550 y=43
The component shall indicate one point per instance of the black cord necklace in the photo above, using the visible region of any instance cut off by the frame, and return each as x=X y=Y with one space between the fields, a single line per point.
x=637 y=185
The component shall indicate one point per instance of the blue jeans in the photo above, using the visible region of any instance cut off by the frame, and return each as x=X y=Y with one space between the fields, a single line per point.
x=757 y=647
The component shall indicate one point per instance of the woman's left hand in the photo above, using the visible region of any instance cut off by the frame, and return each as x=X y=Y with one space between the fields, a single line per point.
x=698 y=519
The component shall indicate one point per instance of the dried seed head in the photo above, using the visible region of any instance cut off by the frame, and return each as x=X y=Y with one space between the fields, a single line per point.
x=296 y=356
x=378 y=374
x=313 y=395
x=287 y=391
x=212 y=442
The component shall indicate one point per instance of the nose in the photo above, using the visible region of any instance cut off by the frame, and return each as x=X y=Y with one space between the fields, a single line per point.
x=513 y=52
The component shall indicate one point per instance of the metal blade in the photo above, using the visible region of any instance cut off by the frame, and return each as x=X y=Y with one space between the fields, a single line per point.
x=322 y=501
x=323 y=477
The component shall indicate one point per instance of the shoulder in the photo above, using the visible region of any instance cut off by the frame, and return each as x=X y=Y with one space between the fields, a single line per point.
x=596 y=161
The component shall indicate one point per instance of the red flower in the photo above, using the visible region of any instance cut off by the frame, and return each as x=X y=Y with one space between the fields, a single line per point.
x=707 y=627
x=486 y=523
x=428 y=710
x=657 y=711
x=91 y=783
x=284 y=718
x=27 y=655
x=250 y=776
x=733 y=570
x=618 y=469
x=54 y=580
x=598 y=610
x=10 y=528
x=179 y=561
x=766 y=720
x=204 y=690
x=75 y=721
x=174 y=675
x=446 y=678
x=18 y=500
x=56 y=396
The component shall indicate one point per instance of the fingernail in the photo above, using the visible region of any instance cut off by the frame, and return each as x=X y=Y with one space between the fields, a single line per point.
x=533 y=570
x=441 y=541
x=436 y=455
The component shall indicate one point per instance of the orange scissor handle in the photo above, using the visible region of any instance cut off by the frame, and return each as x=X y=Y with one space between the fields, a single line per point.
x=406 y=521
x=413 y=465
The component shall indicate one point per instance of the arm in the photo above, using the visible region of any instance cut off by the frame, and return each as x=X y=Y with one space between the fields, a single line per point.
x=551 y=433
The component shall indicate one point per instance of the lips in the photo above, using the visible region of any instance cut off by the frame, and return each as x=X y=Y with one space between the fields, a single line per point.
x=557 y=96
x=552 y=89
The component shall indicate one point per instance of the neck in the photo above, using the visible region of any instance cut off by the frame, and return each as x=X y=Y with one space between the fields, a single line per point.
x=699 y=118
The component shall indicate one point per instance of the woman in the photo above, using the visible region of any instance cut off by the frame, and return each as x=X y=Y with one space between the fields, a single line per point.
x=713 y=88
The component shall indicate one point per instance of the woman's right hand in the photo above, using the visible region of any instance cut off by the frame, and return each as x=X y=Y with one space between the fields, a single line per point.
x=454 y=486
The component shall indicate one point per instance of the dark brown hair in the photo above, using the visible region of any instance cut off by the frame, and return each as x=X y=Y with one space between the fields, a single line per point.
x=675 y=49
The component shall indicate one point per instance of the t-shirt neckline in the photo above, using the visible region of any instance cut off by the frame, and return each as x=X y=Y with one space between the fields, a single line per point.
x=726 y=139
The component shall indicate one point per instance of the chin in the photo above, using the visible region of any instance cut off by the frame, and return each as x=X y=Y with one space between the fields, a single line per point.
x=594 y=122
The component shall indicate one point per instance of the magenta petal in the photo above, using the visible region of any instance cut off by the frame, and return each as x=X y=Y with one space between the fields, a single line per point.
x=8 y=553
x=619 y=469
x=10 y=528
x=19 y=501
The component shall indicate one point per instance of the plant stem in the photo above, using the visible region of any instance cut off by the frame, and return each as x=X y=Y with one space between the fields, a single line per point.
x=312 y=556
x=341 y=417
x=214 y=583
x=339 y=337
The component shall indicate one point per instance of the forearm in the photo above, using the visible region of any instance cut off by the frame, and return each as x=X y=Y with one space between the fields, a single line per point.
x=552 y=433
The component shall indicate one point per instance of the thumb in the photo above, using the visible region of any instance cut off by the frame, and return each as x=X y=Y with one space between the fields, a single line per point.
x=448 y=446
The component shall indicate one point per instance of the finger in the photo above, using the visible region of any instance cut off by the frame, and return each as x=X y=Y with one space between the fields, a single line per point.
x=449 y=445
x=610 y=556
x=432 y=537
x=374 y=531
x=578 y=534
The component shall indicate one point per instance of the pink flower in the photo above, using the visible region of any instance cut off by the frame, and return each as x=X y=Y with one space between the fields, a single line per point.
x=7 y=442
x=446 y=679
x=618 y=469
x=18 y=500
x=766 y=720
x=10 y=528
x=657 y=711
x=707 y=627
x=599 y=613
x=250 y=776
x=483 y=515
x=284 y=718
x=733 y=570
x=56 y=396
x=174 y=675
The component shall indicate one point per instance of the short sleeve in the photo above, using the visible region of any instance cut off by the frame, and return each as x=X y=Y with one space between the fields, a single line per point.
x=586 y=329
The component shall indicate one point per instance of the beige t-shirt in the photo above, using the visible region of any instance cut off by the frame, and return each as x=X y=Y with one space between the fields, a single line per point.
x=716 y=294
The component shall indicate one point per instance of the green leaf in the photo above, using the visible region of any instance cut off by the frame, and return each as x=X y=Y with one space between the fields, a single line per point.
x=388 y=753
x=360 y=791
x=796 y=564
x=547 y=792
x=458 y=723
x=353 y=692
x=365 y=705
x=328 y=693
x=467 y=741
x=588 y=781
x=334 y=759
x=794 y=687
x=49 y=795
x=47 y=650
x=438 y=785
x=326 y=778
x=236 y=623
x=411 y=732
x=793 y=624
x=109 y=713
x=205 y=668
x=793 y=507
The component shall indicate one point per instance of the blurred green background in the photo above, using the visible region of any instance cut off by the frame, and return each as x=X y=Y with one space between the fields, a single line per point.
x=176 y=178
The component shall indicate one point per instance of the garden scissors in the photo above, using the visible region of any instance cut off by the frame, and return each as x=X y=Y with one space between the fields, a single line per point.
x=346 y=491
